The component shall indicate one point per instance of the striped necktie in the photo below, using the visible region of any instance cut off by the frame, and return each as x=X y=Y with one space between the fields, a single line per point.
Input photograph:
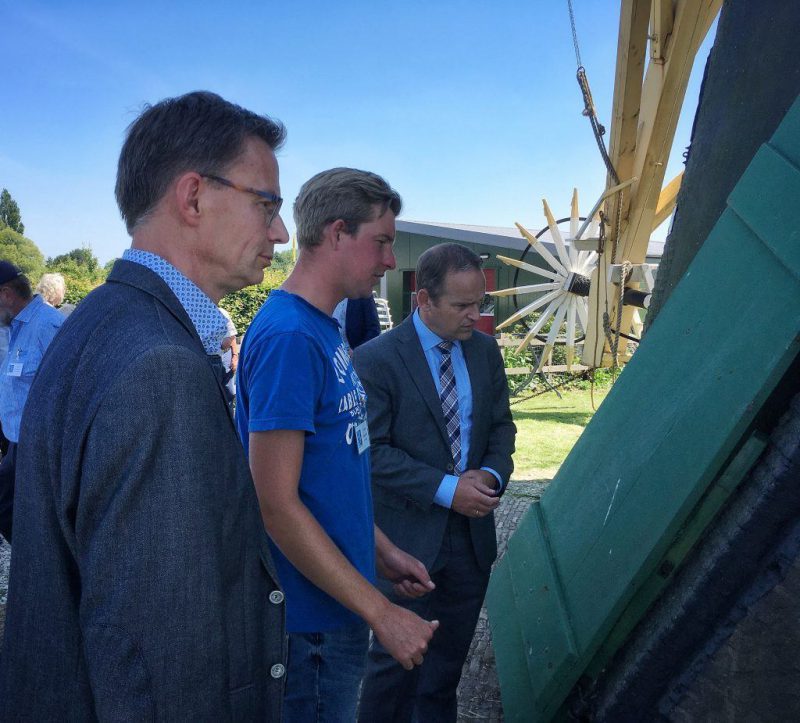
x=448 y=396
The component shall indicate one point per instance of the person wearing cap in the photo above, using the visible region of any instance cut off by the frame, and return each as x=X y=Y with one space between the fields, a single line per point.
x=34 y=323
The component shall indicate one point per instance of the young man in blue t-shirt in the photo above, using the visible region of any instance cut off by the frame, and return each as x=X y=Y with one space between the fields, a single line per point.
x=301 y=414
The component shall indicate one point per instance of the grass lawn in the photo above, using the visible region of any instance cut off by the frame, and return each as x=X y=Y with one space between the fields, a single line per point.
x=548 y=427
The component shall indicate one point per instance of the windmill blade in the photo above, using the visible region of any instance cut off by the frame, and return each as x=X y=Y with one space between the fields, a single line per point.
x=574 y=224
x=637 y=324
x=530 y=267
x=540 y=247
x=571 y=332
x=526 y=289
x=555 y=327
x=594 y=226
x=583 y=313
x=540 y=302
x=587 y=263
x=541 y=321
x=555 y=233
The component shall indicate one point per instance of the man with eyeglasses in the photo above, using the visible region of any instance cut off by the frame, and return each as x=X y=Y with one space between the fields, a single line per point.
x=142 y=587
x=301 y=414
x=33 y=326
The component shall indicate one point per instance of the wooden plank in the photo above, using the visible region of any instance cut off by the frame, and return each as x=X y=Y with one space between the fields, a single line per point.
x=661 y=29
x=512 y=666
x=779 y=182
x=666 y=201
x=547 y=640
x=687 y=538
x=662 y=99
x=631 y=50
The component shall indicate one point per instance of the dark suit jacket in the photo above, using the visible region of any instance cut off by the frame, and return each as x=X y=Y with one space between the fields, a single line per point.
x=410 y=449
x=140 y=574
x=361 y=321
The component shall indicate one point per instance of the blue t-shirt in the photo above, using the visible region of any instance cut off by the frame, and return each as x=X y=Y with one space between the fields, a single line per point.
x=294 y=373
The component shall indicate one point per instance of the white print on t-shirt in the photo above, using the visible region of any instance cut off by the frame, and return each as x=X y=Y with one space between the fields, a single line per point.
x=341 y=363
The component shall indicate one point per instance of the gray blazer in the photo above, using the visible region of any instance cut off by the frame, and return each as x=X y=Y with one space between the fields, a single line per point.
x=142 y=586
x=410 y=449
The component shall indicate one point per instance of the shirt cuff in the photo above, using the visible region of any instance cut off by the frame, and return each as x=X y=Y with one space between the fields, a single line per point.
x=500 y=484
x=447 y=490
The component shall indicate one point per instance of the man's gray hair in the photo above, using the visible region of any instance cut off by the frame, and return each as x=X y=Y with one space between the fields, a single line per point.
x=198 y=132
x=52 y=288
x=341 y=193
x=438 y=261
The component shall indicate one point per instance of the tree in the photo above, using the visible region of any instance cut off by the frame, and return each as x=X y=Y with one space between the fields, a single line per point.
x=82 y=257
x=22 y=252
x=9 y=213
x=282 y=261
x=243 y=305
x=81 y=271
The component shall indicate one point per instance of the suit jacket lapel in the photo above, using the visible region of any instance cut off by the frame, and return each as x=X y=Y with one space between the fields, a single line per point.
x=133 y=274
x=412 y=356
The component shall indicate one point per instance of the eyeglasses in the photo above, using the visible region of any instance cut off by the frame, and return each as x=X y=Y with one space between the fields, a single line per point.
x=272 y=208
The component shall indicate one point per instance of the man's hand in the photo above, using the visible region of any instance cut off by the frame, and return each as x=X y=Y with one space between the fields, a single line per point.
x=476 y=493
x=404 y=634
x=408 y=574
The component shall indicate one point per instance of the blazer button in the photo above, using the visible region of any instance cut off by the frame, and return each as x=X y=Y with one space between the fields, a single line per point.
x=449 y=467
x=277 y=671
x=276 y=597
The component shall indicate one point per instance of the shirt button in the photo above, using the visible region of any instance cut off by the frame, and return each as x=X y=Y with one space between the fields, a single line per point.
x=276 y=597
x=277 y=671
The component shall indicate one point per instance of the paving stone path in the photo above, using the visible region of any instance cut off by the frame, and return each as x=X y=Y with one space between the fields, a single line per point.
x=479 y=691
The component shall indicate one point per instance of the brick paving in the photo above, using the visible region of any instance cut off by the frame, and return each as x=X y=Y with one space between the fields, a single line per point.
x=479 y=691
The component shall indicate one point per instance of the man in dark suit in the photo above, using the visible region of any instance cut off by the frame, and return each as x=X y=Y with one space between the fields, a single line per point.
x=142 y=586
x=442 y=439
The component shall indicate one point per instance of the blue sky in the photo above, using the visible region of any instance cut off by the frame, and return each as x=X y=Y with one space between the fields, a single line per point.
x=470 y=109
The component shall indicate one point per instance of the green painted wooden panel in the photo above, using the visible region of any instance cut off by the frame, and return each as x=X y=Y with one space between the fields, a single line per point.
x=675 y=416
x=541 y=638
x=690 y=533
x=547 y=636
x=764 y=204
x=666 y=428
x=512 y=666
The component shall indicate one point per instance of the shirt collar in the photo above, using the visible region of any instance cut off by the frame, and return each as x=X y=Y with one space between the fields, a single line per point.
x=206 y=318
x=428 y=338
x=28 y=312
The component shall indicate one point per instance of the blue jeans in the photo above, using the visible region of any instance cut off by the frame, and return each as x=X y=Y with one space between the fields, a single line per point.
x=323 y=676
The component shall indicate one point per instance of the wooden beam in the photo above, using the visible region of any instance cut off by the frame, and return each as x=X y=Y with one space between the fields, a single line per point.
x=661 y=99
x=662 y=18
x=631 y=49
x=631 y=53
x=666 y=201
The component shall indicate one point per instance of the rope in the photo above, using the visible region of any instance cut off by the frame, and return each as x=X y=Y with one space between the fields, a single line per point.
x=574 y=34
x=613 y=335
x=588 y=103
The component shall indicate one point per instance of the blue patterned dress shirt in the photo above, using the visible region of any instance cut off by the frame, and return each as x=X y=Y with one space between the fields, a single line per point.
x=208 y=320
